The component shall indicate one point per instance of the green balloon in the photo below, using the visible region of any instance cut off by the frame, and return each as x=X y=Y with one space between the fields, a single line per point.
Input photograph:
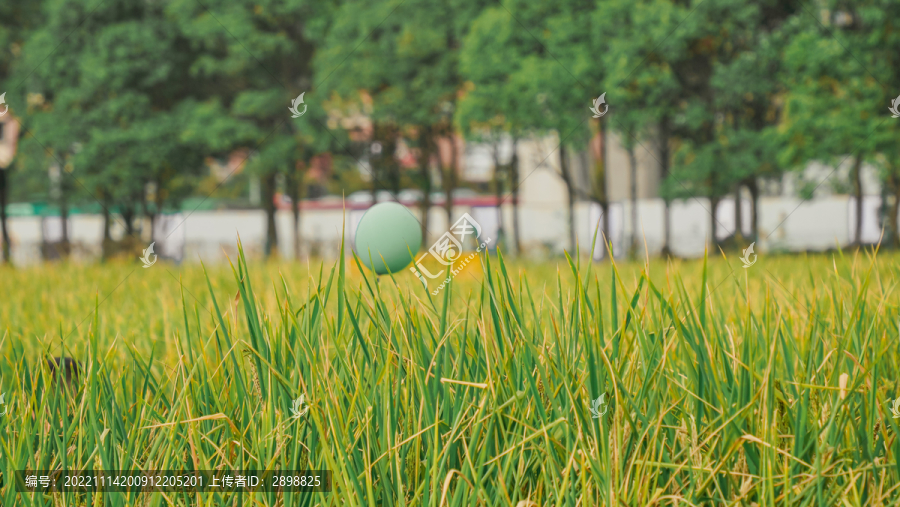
x=387 y=234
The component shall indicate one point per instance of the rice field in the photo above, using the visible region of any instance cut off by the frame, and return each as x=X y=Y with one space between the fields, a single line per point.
x=717 y=385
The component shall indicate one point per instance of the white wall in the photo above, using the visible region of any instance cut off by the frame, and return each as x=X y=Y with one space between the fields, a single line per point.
x=784 y=224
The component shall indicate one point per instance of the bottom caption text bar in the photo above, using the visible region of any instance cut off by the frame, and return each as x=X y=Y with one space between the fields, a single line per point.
x=171 y=481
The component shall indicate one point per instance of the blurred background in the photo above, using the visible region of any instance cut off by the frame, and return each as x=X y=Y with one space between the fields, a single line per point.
x=729 y=122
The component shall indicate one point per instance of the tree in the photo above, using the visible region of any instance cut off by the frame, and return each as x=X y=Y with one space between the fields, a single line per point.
x=404 y=56
x=691 y=90
x=17 y=21
x=644 y=94
x=837 y=106
x=490 y=108
x=106 y=105
x=259 y=55
x=563 y=62
x=748 y=86
x=523 y=77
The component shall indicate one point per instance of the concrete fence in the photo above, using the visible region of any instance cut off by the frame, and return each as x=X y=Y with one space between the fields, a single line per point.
x=785 y=224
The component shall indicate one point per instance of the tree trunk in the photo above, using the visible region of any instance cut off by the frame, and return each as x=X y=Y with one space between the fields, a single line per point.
x=754 y=207
x=714 y=199
x=450 y=180
x=271 y=248
x=738 y=216
x=144 y=212
x=632 y=166
x=295 y=192
x=374 y=189
x=498 y=192
x=425 y=174
x=664 y=135
x=388 y=151
x=714 y=204
x=857 y=190
x=107 y=239
x=4 y=232
x=375 y=161
x=130 y=241
x=64 y=218
x=128 y=217
x=157 y=208
x=385 y=168
x=601 y=195
x=894 y=208
x=570 y=191
x=152 y=216
x=514 y=185
x=64 y=247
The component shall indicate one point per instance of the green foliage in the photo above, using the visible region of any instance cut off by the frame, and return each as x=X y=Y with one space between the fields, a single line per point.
x=107 y=104
x=839 y=85
x=143 y=93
